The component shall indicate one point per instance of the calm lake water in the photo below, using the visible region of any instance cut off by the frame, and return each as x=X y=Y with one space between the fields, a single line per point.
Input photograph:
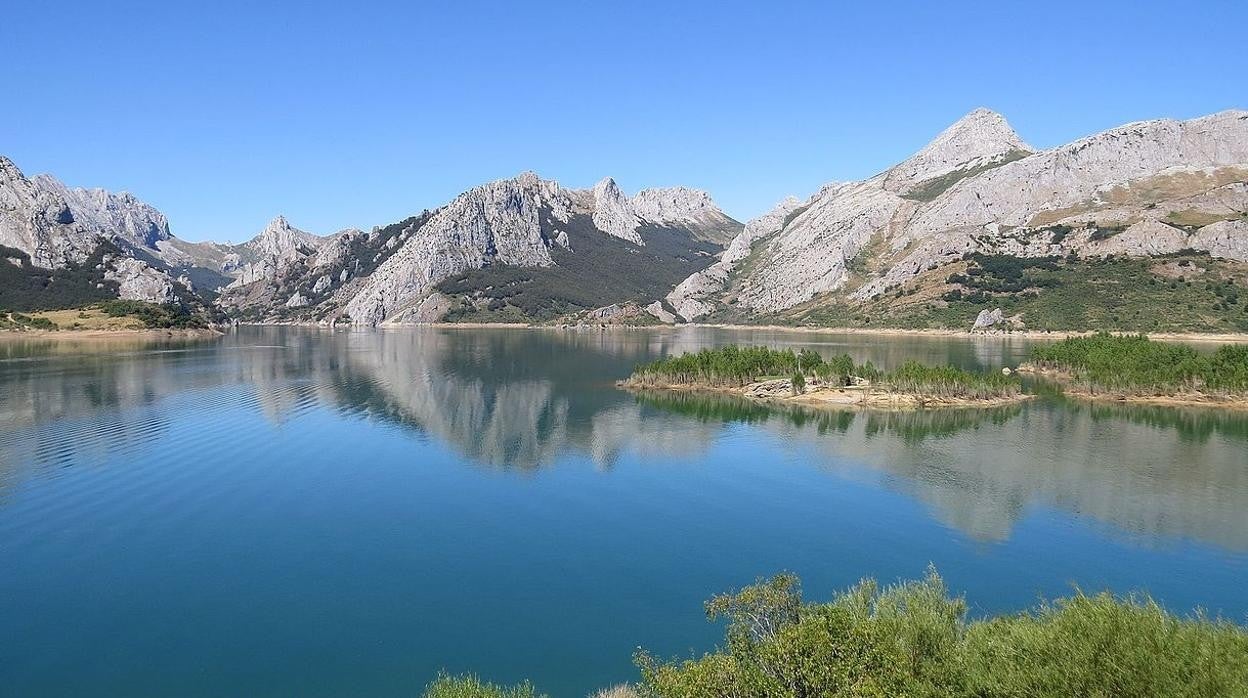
x=289 y=512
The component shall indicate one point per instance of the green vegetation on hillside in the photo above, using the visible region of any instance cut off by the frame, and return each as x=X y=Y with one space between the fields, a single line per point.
x=152 y=315
x=21 y=321
x=598 y=270
x=25 y=288
x=932 y=188
x=1137 y=365
x=1188 y=292
x=916 y=639
x=733 y=366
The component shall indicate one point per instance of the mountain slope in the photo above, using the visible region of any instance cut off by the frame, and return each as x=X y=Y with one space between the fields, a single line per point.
x=1144 y=189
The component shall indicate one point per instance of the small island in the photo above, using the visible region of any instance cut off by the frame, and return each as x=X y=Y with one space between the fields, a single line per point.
x=1137 y=369
x=806 y=377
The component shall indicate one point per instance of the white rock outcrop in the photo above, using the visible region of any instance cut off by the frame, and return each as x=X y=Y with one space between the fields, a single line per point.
x=137 y=281
x=981 y=138
x=692 y=297
x=518 y=222
x=976 y=188
x=613 y=212
x=40 y=222
x=117 y=214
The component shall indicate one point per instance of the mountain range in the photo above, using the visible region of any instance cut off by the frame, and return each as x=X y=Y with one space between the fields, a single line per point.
x=1097 y=231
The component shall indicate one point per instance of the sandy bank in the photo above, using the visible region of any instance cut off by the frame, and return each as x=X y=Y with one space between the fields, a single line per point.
x=834 y=397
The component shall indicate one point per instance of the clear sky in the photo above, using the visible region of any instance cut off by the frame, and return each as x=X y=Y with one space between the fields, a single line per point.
x=224 y=114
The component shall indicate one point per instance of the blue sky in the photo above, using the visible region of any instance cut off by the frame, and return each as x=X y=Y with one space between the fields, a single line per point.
x=336 y=114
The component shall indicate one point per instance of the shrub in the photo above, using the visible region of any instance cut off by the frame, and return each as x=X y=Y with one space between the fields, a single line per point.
x=470 y=686
x=733 y=366
x=1138 y=365
x=914 y=639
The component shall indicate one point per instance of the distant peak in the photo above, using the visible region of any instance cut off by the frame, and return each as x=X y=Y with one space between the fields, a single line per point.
x=980 y=138
x=606 y=185
x=10 y=168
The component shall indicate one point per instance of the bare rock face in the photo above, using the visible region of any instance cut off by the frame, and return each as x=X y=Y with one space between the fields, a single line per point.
x=137 y=281
x=520 y=222
x=987 y=319
x=272 y=250
x=691 y=209
x=692 y=298
x=40 y=222
x=1143 y=239
x=1145 y=188
x=613 y=212
x=813 y=254
x=497 y=223
x=660 y=313
x=119 y=214
x=981 y=138
x=281 y=240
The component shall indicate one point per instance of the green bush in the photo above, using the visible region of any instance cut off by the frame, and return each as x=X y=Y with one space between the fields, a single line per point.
x=1107 y=363
x=733 y=366
x=914 y=639
x=168 y=315
x=470 y=686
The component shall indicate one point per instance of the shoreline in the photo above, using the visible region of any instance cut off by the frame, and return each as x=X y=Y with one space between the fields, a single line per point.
x=1066 y=382
x=1213 y=337
x=830 y=397
x=144 y=333
x=1223 y=337
x=930 y=332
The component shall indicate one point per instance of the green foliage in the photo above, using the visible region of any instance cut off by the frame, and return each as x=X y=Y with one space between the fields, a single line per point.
x=914 y=378
x=27 y=288
x=1137 y=365
x=18 y=321
x=725 y=366
x=914 y=639
x=1112 y=293
x=734 y=366
x=470 y=686
x=798 y=381
x=932 y=188
x=169 y=315
x=1105 y=646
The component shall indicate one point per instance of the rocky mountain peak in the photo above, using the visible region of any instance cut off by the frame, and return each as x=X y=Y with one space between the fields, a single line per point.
x=9 y=170
x=119 y=215
x=613 y=212
x=280 y=239
x=979 y=139
x=672 y=203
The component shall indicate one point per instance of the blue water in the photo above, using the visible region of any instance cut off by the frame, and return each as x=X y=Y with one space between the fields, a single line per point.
x=289 y=512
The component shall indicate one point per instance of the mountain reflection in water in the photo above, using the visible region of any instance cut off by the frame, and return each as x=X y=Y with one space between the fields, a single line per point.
x=520 y=399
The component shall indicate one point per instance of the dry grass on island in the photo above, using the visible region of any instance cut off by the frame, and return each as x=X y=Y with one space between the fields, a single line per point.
x=807 y=378
x=1138 y=369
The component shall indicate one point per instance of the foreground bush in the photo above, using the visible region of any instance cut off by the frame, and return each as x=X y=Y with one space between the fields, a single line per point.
x=1138 y=365
x=914 y=639
x=472 y=687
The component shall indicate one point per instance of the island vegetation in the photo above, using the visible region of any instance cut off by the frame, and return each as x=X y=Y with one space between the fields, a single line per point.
x=1136 y=368
x=804 y=375
x=917 y=639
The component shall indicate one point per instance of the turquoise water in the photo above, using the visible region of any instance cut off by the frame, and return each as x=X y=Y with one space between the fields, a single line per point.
x=289 y=512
